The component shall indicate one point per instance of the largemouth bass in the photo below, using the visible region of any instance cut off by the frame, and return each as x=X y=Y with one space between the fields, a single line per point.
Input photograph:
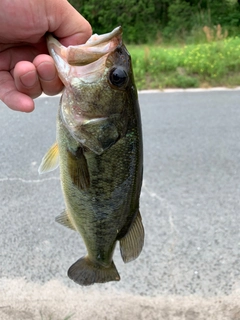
x=99 y=152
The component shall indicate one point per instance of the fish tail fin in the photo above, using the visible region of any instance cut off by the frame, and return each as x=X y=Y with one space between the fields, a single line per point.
x=85 y=272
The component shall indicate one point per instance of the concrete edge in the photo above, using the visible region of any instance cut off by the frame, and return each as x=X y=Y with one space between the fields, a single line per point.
x=190 y=90
x=43 y=95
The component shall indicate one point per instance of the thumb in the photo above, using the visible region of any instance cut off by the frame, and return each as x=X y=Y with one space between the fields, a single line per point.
x=67 y=24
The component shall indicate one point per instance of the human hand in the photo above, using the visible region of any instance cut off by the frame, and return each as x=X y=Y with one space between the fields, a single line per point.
x=26 y=69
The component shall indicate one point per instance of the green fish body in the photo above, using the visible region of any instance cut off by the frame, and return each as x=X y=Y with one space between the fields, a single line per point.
x=100 y=154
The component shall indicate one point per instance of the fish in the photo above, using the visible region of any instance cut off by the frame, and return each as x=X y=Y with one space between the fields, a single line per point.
x=99 y=150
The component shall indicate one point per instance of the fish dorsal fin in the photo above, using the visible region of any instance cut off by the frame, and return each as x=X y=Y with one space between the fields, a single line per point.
x=131 y=244
x=64 y=220
x=78 y=169
x=50 y=161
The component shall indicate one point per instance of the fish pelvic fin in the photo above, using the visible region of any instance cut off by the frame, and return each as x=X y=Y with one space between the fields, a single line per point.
x=50 y=161
x=85 y=272
x=132 y=243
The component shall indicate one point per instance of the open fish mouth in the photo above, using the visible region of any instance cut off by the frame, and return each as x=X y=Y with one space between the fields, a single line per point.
x=94 y=48
x=85 y=61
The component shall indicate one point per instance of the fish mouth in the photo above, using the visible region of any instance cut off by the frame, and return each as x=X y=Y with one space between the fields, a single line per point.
x=94 y=48
x=85 y=61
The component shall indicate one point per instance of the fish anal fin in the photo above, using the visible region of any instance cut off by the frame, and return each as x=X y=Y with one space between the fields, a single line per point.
x=78 y=169
x=64 y=220
x=85 y=272
x=50 y=161
x=132 y=243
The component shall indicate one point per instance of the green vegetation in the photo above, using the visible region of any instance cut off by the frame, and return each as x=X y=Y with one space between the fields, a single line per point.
x=204 y=65
x=174 y=43
x=145 y=21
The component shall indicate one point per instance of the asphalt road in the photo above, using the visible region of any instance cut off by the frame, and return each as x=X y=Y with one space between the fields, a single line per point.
x=190 y=204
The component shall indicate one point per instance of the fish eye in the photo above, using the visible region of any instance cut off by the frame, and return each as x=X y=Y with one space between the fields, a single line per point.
x=118 y=77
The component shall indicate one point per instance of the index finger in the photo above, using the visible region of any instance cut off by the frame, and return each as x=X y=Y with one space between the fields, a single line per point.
x=11 y=96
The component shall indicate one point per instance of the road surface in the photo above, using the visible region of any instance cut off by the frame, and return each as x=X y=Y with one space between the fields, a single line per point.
x=190 y=203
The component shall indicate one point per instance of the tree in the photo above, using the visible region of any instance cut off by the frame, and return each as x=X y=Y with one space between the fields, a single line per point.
x=142 y=20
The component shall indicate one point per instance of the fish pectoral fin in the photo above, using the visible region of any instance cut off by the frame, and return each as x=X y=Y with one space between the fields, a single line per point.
x=99 y=134
x=78 y=169
x=85 y=272
x=50 y=161
x=64 y=220
x=131 y=244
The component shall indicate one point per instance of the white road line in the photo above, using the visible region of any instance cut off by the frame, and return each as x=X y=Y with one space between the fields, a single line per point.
x=28 y=181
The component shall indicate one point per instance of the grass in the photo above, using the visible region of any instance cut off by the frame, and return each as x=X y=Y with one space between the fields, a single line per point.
x=216 y=63
x=50 y=317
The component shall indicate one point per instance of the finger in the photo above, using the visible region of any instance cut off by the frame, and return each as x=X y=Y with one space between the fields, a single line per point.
x=11 y=56
x=47 y=74
x=67 y=24
x=26 y=79
x=11 y=96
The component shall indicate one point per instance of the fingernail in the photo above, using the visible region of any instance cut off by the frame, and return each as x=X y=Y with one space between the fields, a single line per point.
x=46 y=71
x=29 y=79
